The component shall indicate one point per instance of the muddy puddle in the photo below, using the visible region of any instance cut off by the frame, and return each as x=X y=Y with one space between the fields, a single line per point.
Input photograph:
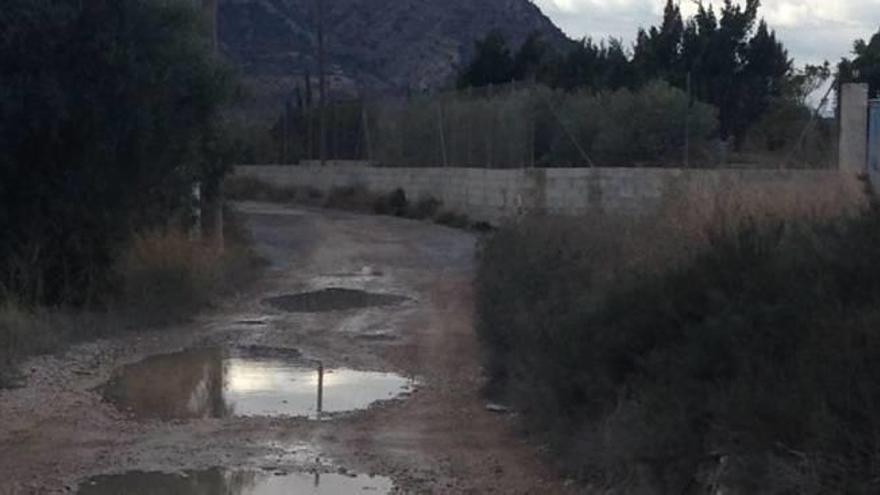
x=218 y=481
x=216 y=383
x=334 y=299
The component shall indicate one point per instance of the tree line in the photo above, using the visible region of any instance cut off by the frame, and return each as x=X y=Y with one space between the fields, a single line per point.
x=728 y=57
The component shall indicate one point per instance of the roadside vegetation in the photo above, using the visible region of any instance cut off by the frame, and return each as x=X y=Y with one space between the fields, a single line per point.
x=356 y=198
x=735 y=352
x=110 y=113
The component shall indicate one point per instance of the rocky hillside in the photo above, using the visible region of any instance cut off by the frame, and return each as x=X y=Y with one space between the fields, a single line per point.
x=373 y=46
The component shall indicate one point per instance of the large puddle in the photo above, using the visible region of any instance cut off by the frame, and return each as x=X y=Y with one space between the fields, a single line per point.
x=213 y=383
x=220 y=482
x=334 y=299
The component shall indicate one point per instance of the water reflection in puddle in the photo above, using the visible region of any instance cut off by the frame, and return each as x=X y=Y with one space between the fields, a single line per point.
x=220 y=482
x=211 y=383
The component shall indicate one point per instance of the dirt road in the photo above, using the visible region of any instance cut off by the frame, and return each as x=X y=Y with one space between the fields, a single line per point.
x=58 y=431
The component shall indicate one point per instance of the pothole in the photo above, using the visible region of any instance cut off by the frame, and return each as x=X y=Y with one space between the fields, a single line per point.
x=377 y=336
x=252 y=323
x=219 y=481
x=254 y=381
x=334 y=299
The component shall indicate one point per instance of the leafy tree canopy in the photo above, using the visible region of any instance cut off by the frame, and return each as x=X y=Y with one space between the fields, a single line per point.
x=865 y=65
x=729 y=58
x=492 y=63
x=108 y=112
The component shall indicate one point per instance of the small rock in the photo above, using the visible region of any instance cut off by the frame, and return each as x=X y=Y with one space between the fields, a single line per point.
x=497 y=408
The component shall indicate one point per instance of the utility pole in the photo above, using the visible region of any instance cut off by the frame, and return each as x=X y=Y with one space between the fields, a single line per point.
x=210 y=8
x=212 y=197
x=322 y=85
x=687 y=125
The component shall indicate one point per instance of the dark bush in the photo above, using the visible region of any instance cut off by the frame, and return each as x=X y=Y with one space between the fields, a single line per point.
x=108 y=116
x=398 y=202
x=394 y=203
x=425 y=208
x=752 y=362
x=454 y=220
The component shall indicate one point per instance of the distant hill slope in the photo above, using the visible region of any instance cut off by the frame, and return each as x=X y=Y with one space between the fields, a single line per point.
x=373 y=46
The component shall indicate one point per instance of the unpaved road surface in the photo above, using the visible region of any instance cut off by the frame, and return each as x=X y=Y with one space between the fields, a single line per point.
x=58 y=431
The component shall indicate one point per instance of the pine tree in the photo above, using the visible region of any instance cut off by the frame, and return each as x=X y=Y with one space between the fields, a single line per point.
x=865 y=66
x=492 y=63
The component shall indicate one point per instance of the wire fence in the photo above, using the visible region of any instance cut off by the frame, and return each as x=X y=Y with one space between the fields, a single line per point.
x=521 y=126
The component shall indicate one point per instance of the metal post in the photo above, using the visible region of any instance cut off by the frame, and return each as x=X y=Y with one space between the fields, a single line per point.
x=320 y=388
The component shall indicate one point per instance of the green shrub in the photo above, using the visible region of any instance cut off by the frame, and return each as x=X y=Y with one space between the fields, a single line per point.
x=527 y=126
x=759 y=349
x=786 y=131
x=625 y=128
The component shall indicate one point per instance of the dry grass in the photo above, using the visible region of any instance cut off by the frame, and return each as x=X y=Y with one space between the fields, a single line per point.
x=26 y=332
x=166 y=274
x=690 y=217
x=724 y=322
x=163 y=276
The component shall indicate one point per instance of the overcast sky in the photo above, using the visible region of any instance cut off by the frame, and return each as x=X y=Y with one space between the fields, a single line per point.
x=812 y=30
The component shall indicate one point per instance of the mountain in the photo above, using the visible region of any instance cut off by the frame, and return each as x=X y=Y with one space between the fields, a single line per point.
x=373 y=46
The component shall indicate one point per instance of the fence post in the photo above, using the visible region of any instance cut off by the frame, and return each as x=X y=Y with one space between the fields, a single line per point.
x=469 y=134
x=532 y=124
x=320 y=388
x=853 y=128
x=491 y=134
x=687 y=124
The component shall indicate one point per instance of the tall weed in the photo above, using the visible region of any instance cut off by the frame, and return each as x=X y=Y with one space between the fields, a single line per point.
x=657 y=354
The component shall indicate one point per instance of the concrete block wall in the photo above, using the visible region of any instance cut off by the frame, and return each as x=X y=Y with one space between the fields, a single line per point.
x=494 y=195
